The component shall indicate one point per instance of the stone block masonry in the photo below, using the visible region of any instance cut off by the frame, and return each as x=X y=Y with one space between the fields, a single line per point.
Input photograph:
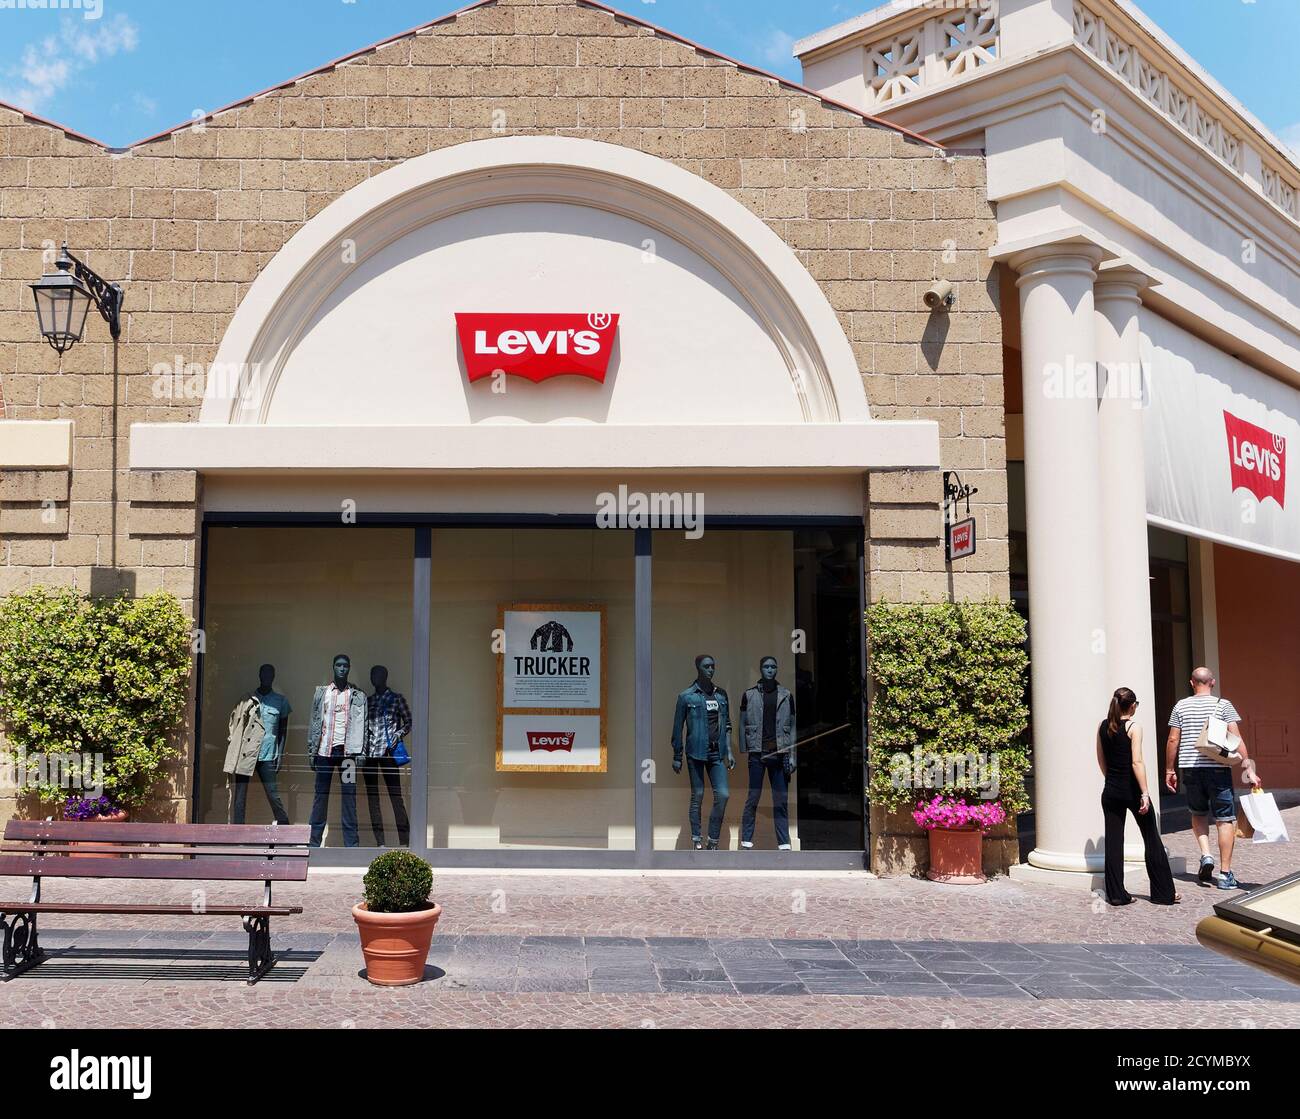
x=187 y=220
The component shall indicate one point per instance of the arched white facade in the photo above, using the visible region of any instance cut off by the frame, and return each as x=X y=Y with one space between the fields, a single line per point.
x=728 y=356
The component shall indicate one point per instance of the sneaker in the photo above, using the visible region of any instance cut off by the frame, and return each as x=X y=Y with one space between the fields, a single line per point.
x=712 y=845
x=746 y=846
x=697 y=844
x=783 y=847
x=1206 y=873
x=1228 y=881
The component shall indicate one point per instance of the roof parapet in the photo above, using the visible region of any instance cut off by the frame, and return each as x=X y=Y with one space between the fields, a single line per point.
x=910 y=48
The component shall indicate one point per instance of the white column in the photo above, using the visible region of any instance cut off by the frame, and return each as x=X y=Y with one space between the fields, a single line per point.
x=1063 y=506
x=1124 y=507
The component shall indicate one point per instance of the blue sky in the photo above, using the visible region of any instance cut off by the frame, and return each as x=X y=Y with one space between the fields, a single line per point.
x=145 y=65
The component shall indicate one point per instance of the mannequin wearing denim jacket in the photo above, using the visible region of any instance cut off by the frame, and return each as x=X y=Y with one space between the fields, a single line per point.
x=705 y=711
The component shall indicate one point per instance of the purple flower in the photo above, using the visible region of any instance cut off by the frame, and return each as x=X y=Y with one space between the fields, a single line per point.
x=88 y=808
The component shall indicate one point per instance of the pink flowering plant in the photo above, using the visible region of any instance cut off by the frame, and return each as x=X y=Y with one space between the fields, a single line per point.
x=955 y=813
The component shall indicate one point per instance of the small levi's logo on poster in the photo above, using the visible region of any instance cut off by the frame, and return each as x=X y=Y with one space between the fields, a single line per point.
x=1257 y=459
x=537 y=346
x=550 y=740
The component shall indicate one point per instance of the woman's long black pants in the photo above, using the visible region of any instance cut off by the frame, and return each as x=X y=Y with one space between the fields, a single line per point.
x=1114 y=809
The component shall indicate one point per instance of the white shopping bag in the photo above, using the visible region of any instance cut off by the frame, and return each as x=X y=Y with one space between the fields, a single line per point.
x=1261 y=810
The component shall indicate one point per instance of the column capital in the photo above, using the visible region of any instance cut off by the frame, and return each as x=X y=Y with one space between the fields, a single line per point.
x=1075 y=256
x=1120 y=282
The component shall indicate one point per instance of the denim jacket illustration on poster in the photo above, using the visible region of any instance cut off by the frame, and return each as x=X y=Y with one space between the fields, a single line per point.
x=692 y=710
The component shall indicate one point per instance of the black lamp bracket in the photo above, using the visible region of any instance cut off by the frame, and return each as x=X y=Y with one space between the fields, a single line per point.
x=108 y=297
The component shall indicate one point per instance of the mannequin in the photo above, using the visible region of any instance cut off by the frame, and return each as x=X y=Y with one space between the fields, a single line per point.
x=388 y=722
x=767 y=740
x=258 y=725
x=336 y=740
x=705 y=710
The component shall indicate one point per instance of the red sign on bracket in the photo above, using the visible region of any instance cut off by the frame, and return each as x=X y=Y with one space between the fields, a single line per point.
x=961 y=539
x=536 y=346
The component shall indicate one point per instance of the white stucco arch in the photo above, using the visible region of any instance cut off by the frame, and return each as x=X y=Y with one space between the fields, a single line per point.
x=349 y=328
x=446 y=185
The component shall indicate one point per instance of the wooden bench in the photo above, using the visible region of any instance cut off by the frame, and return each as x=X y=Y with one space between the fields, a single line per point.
x=263 y=853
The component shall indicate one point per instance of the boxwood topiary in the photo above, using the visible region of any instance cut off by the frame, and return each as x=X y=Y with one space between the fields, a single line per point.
x=397 y=882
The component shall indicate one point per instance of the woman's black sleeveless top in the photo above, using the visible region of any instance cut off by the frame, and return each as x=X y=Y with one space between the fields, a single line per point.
x=1118 y=751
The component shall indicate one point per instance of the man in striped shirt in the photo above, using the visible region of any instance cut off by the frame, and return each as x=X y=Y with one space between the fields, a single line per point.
x=1207 y=784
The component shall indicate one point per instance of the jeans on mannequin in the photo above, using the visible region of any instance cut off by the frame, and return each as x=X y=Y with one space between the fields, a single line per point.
x=325 y=768
x=717 y=774
x=267 y=775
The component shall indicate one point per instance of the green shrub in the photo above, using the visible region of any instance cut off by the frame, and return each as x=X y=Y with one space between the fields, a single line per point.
x=397 y=882
x=83 y=676
x=950 y=680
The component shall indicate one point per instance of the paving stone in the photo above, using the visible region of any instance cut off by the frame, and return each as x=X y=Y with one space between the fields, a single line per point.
x=775 y=988
x=594 y=950
x=676 y=986
x=692 y=975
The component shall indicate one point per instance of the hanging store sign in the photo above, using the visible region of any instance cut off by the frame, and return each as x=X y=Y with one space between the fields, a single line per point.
x=551 y=688
x=536 y=346
x=961 y=539
x=1216 y=433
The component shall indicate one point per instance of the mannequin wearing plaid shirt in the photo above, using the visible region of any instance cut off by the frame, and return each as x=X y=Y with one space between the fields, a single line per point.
x=388 y=722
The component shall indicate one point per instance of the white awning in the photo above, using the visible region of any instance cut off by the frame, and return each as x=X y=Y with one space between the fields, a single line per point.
x=1219 y=436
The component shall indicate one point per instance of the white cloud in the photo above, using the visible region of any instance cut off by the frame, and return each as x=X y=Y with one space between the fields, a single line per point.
x=104 y=40
x=776 y=48
x=48 y=65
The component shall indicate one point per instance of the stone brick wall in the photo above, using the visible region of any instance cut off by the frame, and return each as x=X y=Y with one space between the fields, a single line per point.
x=186 y=222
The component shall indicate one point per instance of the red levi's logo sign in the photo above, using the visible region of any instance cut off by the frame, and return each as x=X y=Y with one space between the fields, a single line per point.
x=536 y=346
x=1257 y=459
x=550 y=739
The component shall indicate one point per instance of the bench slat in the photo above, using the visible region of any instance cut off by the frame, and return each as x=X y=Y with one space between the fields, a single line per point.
x=224 y=869
x=203 y=834
x=85 y=848
x=151 y=910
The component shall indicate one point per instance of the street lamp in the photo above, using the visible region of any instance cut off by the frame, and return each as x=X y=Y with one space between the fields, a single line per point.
x=63 y=298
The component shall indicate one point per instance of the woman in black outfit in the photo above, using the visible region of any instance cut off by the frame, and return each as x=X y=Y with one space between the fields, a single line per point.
x=1119 y=753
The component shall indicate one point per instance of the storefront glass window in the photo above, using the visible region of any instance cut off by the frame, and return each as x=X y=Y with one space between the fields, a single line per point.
x=530 y=735
x=725 y=606
x=281 y=605
x=1171 y=629
x=516 y=664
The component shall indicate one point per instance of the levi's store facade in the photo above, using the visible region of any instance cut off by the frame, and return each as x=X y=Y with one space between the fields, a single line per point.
x=534 y=424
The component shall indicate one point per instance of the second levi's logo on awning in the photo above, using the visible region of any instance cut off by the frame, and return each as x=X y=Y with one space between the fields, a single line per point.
x=1257 y=459
x=536 y=346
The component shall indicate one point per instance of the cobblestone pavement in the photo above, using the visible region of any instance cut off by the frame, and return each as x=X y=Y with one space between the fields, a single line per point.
x=685 y=965
x=700 y=949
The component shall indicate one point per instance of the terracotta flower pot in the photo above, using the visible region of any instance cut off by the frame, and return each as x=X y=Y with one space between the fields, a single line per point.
x=396 y=945
x=118 y=817
x=956 y=856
